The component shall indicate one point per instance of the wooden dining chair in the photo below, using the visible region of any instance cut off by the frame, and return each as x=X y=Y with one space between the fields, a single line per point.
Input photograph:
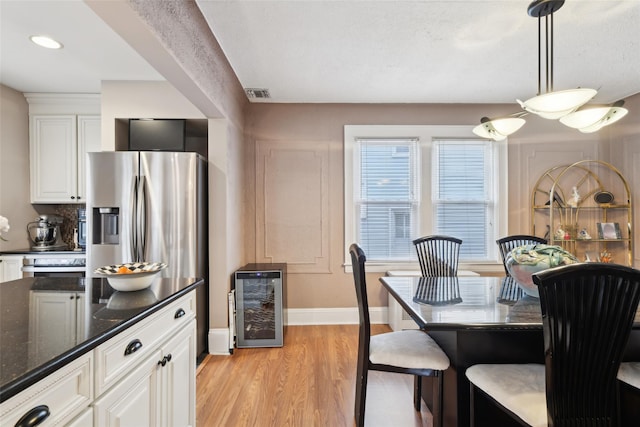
x=407 y=352
x=587 y=313
x=438 y=255
x=508 y=243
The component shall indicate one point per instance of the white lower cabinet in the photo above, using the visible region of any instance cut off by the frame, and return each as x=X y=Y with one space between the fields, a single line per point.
x=55 y=400
x=83 y=420
x=159 y=392
x=57 y=320
x=144 y=376
x=134 y=401
x=10 y=267
x=178 y=378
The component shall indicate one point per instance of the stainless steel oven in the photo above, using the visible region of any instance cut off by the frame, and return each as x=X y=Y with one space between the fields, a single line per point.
x=53 y=265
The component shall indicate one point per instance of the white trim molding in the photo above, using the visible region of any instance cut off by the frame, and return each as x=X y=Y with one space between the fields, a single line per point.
x=219 y=338
x=219 y=341
x=332 y=316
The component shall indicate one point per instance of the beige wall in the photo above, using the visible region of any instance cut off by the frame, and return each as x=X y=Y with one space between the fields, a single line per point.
x=308 y=139
x=14 y=168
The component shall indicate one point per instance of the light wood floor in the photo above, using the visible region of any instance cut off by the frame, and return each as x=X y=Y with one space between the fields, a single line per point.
x=308 y=382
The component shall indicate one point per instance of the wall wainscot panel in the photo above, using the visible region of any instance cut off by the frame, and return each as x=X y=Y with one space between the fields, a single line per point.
x=292 y=205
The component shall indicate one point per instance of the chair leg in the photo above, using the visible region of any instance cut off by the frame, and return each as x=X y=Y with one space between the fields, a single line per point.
x=417 y=392
x=361 y=395
x=437 y=399
x=472 y=405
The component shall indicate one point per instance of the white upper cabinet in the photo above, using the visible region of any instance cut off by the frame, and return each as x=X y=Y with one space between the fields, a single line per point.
x=88 y=132
x=60 y=136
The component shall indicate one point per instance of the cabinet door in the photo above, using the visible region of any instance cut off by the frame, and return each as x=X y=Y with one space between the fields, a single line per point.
x=10 y=267
x=133 y=402
x=179 y=379
x=88 y=142
x=53 y=159
x=52 y=323
x=83 y=420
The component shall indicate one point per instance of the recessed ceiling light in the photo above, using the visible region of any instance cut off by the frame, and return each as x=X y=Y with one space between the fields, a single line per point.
x=45 y=41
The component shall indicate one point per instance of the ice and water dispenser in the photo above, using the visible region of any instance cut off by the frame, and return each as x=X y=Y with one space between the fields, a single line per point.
x=106 y=228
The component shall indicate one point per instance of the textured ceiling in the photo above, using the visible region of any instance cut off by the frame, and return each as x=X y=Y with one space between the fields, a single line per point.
x=423 y=51
x=455 y=51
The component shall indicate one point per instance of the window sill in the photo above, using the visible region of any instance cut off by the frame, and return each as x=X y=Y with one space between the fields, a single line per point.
x=484 y=269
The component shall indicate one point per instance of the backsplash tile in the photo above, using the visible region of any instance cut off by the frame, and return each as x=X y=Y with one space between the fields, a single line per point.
x=69 y=213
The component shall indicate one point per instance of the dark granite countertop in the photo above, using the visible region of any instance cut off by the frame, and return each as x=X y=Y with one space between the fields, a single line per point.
x=26 y=358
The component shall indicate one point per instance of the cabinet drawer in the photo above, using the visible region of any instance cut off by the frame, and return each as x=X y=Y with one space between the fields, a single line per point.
x=66 y=393
x=119 y=355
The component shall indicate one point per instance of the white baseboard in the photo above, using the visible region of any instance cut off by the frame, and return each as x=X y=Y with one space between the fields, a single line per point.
x=331 y=316
x=219 y=341
x=219 y=337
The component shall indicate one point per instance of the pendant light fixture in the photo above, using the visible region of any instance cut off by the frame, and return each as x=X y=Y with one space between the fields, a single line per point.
x=592 y=118
x=499 y=128
x=550 y=104
x=566 y=105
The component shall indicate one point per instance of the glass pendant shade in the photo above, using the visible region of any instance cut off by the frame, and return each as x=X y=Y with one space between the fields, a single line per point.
x=553 y=105
x=592 y=119
x=498 y=129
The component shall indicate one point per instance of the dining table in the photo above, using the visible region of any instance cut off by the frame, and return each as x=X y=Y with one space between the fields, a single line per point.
x=477 y=320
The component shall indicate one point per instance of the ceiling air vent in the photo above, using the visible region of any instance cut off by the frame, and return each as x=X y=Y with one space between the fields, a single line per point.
x=257 y=93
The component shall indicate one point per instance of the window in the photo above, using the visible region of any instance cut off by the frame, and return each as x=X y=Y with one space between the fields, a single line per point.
x=403 y=182
x=462 y=196
x=386 y=196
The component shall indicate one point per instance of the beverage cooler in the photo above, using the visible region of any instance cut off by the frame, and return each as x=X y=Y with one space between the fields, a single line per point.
x=259 y=298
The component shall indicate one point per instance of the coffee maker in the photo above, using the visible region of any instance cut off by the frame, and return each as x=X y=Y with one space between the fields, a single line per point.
x=45 y=235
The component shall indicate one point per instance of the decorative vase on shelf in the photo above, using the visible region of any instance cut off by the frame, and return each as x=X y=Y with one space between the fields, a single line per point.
x=523 y=261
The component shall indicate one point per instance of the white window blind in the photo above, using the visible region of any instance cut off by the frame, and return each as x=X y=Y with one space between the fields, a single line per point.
x=463 y=197
x=386 y=196
x=406 y=181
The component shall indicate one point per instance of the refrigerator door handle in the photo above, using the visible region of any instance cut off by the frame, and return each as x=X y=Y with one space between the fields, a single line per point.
x=142 y=230
x=133 y=241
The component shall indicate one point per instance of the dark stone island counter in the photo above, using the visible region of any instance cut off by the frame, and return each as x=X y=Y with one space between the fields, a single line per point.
x=47 y=322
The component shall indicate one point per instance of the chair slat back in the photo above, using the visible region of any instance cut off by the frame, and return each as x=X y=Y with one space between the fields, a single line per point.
x=587 y=312
x=438 y=255
x=358 y=260
x=508 y=243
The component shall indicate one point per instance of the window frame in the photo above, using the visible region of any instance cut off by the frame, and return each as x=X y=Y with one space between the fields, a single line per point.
x=426 y=134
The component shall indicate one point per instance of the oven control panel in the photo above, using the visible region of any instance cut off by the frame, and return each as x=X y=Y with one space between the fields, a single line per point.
x=49 y=264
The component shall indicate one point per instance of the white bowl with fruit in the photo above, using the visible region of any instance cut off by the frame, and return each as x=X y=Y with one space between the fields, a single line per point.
x=132 y=276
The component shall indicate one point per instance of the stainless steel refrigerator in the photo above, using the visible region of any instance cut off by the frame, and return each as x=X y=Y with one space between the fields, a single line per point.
x=150 y=206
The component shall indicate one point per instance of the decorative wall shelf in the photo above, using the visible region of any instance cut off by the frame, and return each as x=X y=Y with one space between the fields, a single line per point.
x=565 y=210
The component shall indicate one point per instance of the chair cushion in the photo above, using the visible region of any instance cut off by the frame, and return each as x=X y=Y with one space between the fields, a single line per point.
x=407 y=349
x=519 y=388
x=629 y=372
